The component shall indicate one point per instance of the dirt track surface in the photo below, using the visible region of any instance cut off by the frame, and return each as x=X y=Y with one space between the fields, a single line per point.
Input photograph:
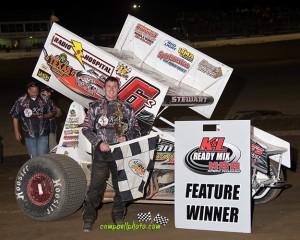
x=276 y=220
x=256 y=84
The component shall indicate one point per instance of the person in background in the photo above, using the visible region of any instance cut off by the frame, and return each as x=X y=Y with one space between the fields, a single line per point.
x=102 y=127
x=47 y=91
x=31 y=113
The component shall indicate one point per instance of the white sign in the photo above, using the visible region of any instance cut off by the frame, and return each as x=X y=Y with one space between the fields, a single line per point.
x=212 y=175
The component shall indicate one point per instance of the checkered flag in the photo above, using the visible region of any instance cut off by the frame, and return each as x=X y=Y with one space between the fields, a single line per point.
x=144 y=217
x=134 y=160
x=161 y=220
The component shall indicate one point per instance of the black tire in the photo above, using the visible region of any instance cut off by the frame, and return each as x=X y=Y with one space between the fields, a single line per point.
x=50 y=187
x=269 y=193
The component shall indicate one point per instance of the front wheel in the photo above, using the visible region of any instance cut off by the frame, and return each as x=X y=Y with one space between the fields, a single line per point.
x=50 y=187
x=266 y=194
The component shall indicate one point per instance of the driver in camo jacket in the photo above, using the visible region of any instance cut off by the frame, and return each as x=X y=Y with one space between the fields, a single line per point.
x=104 y=116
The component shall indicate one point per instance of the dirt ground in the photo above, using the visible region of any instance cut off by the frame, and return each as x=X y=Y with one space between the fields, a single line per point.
x=276 y=220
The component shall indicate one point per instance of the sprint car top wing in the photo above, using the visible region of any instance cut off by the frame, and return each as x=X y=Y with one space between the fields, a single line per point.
x=194 y=79
x=153 y=68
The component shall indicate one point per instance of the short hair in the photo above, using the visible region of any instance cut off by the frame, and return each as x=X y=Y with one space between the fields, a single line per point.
x=46 y=88
x=32 y=84
x=112 y=79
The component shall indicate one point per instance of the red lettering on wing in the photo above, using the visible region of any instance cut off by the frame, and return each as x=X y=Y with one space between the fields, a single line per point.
x=139 y=93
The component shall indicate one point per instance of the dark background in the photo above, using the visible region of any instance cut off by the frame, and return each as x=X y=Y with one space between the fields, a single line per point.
x=265 y=77
x=87 y=17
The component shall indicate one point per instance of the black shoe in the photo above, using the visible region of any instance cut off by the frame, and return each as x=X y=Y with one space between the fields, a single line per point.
x=118 y=220
x=87 y=226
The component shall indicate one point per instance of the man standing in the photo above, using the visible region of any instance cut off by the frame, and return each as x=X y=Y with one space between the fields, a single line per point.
x=108 y=121
x=47 y=91
x=31 y=113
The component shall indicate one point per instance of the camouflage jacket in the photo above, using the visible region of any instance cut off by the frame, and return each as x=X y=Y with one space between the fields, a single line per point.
x=28 y=110
x=102 y=117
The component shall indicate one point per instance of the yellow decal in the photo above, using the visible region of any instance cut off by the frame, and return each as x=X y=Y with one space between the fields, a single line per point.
x=78 y=51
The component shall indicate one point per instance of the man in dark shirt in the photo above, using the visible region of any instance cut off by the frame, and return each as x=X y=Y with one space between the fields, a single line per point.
x=108 y=121
x=31 y=113
x=47 y=91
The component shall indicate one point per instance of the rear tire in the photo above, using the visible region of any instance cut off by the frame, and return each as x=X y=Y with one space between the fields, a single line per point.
x=270 y=193
x=50 y=187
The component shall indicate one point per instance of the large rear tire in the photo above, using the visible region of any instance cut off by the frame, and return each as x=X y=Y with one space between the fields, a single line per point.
x=50 y=187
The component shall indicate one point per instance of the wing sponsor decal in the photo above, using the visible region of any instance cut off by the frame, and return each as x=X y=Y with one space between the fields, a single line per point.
x=188 y=100
x=174 y=61
x=184 y=53
x=83 y=83
x=145 y=34
x=123 y=70
x=75 y=49
x=213 y=156
x=170 y=45
x=209 y=69
x=44 y=75
x=139 y=94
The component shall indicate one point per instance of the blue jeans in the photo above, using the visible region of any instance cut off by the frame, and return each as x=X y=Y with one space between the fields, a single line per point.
x=103 y=163
x=37 y=145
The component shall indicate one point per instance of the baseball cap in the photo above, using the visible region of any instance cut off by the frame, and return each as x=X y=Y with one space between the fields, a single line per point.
x=46 y=88
x=32 y=84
